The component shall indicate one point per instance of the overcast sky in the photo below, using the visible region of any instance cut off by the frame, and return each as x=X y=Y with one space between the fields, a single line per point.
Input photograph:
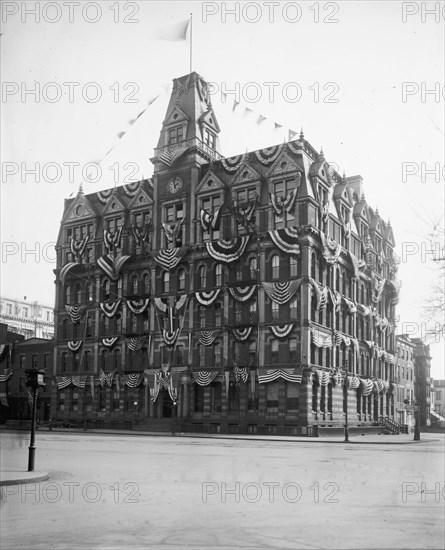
x=364 y=79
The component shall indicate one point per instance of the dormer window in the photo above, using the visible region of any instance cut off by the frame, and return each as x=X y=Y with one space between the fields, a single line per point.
x=175 y=135
x=209 y=138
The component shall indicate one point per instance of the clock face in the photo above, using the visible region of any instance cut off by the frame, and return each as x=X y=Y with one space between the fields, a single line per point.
x=174 y=185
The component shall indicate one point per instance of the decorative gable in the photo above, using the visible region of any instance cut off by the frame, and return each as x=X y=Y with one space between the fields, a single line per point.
x=80 y=209
x=141 y=199
x=175 y=117
x=114 y=205
x=209 y=119
x=210 y=182
x=245 y=174
x=284 y=165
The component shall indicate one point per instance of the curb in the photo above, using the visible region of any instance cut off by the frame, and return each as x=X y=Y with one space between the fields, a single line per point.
x=39 y=476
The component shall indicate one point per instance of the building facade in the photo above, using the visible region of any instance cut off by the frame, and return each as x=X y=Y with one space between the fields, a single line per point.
x=253 y=294
x=31 y=319
x=439 y=400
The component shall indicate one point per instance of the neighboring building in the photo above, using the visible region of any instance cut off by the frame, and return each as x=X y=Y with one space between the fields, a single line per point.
x=439 y=400
x=404 y=380
x=424 y=384
x=234 y=294
x=32 y=319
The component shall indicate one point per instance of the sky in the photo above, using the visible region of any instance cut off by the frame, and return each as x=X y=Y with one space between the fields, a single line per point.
x=365 y=81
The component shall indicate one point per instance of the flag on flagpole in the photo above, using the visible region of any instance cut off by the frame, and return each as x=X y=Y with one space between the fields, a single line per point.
x=173 y=33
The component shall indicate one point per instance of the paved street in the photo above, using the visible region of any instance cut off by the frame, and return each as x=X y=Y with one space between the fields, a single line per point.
x=124 y=491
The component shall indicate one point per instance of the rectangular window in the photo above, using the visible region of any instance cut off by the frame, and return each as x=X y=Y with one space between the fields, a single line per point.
x=202 y=355
x=61 y=400
x=199 y=398
x=75 y=402
x=25 y=312
x=292 y=397
x=22 y=361
x=215 y=397
x=283 y=189
x=272 y=397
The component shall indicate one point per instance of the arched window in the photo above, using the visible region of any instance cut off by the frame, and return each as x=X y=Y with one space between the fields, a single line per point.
x=202 y=316
x=218 y=275
x=314 y=266
x=203 y=276
x=165 y=281
x=293 y=266
x=78 y=296
x=218 y=314
x=253 y=268
x=134 y=284
x=275 y=266
x=67 y=295
x=181 y=279
x=147 y=283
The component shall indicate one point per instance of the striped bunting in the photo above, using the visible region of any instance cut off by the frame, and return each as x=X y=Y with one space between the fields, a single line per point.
x=106 y=378
x=140 y=235
x=321 y=293
x=269 y=375
x=241 y=373
x=282 y=331
x=321 y=339
x=78 y=247
x=227 y=250
x=75 y=345
x=79 y=381
x=132 y=380
x=232 y=164
x=207 y=337
x=207 y=298
x=330 y=249
x=335 y=299
x=363 y=310
x=75 y=313
x=166 y=158
x=367 y=386
x=377 y=286
x=113 y=240
x=109 y=342
x=131 y=188
x=138 y=306
x=65 y=269
x=172 y=230
x=6 y=374
x=170 y=337
x=244 y=214
x=391 y=359
x=210 y=221
x=338 y=338
x=112 y=266
x=63 y=381
x=268 y=155
x=286 y=239
x=103 y=196
x=282 y=292
x=287 y=202
x=135 y=344
x=338 y=378
x=242 y=293
x=353 y=382
x=169 y=258
x=203 y=377
x=110 y=309
x=352 y=308
x=358 y=266
x=242 y=334
x=322 y=377
x=379 y=386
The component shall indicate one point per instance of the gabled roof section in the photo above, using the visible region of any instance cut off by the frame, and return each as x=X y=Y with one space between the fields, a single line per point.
x=175 y=116
x=321 y=169
x=210 y=182
x=79 y=209
x=210 y=119
x=376 y=224
x=361 y=210
x=284 y=165
x=388 y=235
x=141 y=199
x=245 y=174
x=114 y=204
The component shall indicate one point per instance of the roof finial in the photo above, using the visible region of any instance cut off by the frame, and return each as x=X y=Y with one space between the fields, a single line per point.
x=80 y=192
x=301 y=134
x=321 y=154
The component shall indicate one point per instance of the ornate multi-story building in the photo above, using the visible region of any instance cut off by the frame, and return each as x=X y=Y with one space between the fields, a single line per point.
x=32 y=319
x=254 y=293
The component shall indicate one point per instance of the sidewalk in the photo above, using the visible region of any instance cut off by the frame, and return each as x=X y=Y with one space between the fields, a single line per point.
x=14 y=477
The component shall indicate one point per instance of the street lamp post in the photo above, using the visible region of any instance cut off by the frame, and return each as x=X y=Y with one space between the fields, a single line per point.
x=345 y=398
x=35 y=379
x=416 y=422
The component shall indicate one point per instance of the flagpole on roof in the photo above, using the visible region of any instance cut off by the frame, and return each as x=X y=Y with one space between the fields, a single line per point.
x=191 y=30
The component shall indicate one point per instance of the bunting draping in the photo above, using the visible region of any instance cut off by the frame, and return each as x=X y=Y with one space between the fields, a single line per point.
x=242 y=334
x=358 y=266
x=207 y=298
x=135 y=344
x=286 y=239
x=338 y=338
x=169 y=157
x=282 y=292
x=113 y=240
x=227 y=250
x=4 y=348
x=377 y=286
x=169 y=258
x=130 y=189
x=244 y=214
x=204 y=378
x=320 y=339
x=140 y=235
x=338 y=378
x=335 y=299
x=352 y=308
x=391 y=359
x=241 y=373
x=6 y=374
x=111 y=265
x=110 y=309
x=103 y=196
x=109 y=342
x=65 y=269
x=180 y=301
x=78 y=246
x=232 y=164
x=367 y=386
x=353 y=382
x=63 y=381
x=132 y=380
x=269 y=375
x=242 y=293
x=210 y=220
x=331 y=249
x=170 y=337
x=172 y=230
x=75 y=345
x=282 y=331
x=268 y=155
x=79 y=381
x=106 y=378
x=395 y=288
x=379 y=386
x=207 y=337
x=322 y=377
x=363 y=310
x=139 y=305
x=321 y=293
x=282 y=203
x=154 y=383
x=75 y=313
x=355 y=346
x=370 y=344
